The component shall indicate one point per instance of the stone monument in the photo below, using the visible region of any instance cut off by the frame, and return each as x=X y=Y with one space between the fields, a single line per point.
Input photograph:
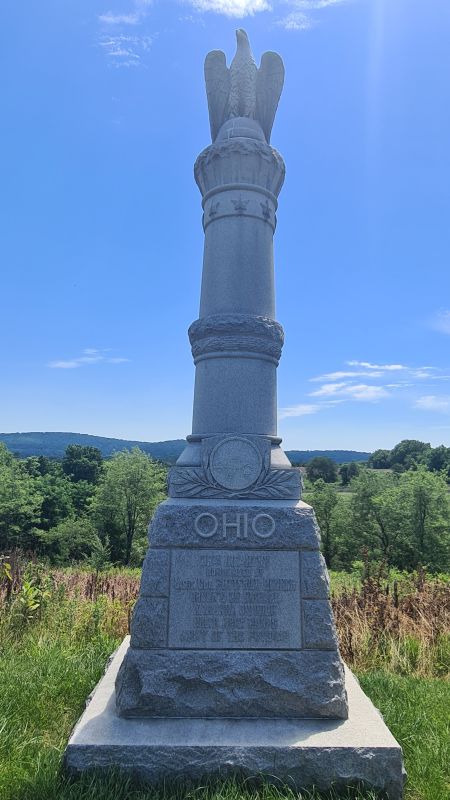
x=233 y=663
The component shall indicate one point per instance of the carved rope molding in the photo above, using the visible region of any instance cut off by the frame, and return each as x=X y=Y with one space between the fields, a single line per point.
x=236 y=333
x=240 y=161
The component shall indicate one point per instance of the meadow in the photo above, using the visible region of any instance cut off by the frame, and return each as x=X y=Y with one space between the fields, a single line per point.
x=59 y=626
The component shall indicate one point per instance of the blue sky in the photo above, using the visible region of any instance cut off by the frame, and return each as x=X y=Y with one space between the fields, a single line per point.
x=101 y=241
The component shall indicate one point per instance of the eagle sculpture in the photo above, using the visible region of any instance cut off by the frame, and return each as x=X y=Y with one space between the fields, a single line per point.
x=243 y=90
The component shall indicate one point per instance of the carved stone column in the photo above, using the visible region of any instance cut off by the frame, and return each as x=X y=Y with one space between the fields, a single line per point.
x=233 y=665
x=234 y=585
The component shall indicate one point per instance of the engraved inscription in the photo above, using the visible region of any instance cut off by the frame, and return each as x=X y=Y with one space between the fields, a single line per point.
x=234 y=599
x=233 y=526
x=235 y=463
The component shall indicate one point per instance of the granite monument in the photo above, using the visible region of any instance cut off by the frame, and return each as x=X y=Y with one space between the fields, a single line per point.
x=233 y=663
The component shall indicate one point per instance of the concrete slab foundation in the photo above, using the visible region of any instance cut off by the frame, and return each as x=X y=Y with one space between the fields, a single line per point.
x=299 y=752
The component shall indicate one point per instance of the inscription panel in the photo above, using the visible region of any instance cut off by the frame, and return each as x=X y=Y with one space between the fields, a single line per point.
x=234 y=599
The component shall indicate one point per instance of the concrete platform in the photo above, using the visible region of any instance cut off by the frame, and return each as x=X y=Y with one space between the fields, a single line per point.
x=301 y=753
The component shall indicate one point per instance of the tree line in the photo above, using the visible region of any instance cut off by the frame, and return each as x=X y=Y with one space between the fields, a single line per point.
x=402 y=519
x=85 y=508
x=80 y=508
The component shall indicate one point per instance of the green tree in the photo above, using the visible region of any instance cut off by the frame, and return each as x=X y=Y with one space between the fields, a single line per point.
x=439 y=459
x=378 y=514
x=426 y=501
x=380 y=459
x=322 y=468
x=132 y=486
x=347 y=472
x=82 y=463
x=20 y=503
x=324 y=499
x=409 y=453
x=56 y=492
x=71 y=540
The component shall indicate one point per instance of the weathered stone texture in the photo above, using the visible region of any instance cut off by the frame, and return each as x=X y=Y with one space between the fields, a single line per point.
x=299 y=752
x=177 y=523
x=315 y=581
x=149 y=624
x=224 y=683
x=318 y=625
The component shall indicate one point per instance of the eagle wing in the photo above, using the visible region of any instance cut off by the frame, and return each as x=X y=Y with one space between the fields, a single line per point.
x=269 y=85
x=217 y=79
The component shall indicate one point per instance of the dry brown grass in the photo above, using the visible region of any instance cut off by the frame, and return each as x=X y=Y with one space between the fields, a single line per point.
x=404 y=632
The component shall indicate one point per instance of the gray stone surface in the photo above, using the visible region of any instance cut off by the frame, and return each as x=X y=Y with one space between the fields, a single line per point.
x=318 y=625
x=315 y=581
x=149 y=623
x=155 y=573
x=227 y=683
x=235 y=599
x=265 y=524
x=301 y=753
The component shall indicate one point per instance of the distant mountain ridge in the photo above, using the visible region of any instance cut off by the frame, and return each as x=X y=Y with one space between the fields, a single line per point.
x=53 y=445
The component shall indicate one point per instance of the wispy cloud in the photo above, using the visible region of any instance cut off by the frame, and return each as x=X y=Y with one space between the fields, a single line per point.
x=299 y=18
x=300 y=410
x=383 y=367
x=336 y=376
x=120 y=19
x=441 y=321
x=231 y=8
x=432 y=402
x=89 y=356
x=353 y=391
x=300 y=14
x=381 y=382
x=121 y=47
x=124 y=50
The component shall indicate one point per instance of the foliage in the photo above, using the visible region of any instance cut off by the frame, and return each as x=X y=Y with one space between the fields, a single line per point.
x=82 y=463
x=324 y=498
x=130 y=489
x=380 y=459
x=347 y=472
x=323 y=468
x=73 y=539
x=20 y=503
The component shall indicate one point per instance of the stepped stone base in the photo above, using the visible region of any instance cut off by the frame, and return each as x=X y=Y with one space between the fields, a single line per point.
x=299 y=752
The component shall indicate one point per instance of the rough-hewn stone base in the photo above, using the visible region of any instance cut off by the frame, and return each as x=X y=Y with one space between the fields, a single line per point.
x=299 y=752
x=217 y=683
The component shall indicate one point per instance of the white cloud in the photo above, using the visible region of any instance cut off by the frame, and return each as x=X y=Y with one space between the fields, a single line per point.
x=441 y=321
x=301 y=410
x=315 y=4
x=384 y=367
x=296 y=21
x=351 y=391
x=432 y=402
x=231 y=8
x=124 y=50
x=90 y=356
x=120 y=19
x=336 y=376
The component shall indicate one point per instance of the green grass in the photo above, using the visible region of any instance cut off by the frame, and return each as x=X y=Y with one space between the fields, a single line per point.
x=48 y=667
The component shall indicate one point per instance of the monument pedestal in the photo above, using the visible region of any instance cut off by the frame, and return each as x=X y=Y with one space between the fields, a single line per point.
x=301 y=753
x=233 y=617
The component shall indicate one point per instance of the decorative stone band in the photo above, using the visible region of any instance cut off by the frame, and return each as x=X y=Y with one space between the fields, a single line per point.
x=236 y=334
x=240 y=161
x=239 y=200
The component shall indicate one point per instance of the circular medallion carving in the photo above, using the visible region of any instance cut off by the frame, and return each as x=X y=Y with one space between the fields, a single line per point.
x=235 y=463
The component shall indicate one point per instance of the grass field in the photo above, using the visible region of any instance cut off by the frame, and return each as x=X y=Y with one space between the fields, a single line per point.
x=53 y=649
